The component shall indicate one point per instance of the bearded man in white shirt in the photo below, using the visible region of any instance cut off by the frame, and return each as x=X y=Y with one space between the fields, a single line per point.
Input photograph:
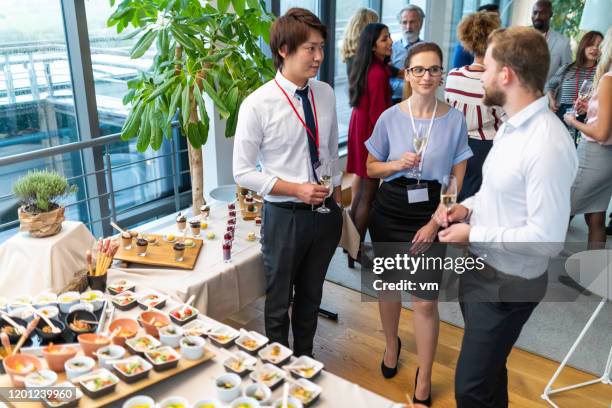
x=516 y=221
x=289 y=126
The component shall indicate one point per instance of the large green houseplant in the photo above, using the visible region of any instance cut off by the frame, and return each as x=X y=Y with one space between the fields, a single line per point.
x=39 y=193
x=202 y=48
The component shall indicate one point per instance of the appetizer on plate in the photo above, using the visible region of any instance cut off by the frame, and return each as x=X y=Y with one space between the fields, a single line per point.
x=269 y=375
x=142 y=344
x=63 y=400
x=132 y=369
x=223 y=336
x=152 y=300
x=197 y=327
x=183 y=314
x=120 y=286
x=251 y=341
x=163 y=358
x=99 y=383
x=305 y=367
x=275 y=353
x=125 y=300
x=305 y=391
x=240 y=364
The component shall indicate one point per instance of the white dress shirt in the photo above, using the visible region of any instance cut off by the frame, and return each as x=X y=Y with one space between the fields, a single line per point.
x=269 y=133
x=524 y=201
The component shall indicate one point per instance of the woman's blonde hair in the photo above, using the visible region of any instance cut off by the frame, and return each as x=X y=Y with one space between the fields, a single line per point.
x=358 y=21
x=605 y=60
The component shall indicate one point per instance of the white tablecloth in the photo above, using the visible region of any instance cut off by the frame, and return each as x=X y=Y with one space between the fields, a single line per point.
x=221 y=289
x=31 y=265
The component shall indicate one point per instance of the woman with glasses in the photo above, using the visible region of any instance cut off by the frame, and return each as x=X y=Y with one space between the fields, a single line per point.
x=370 y=95
x=464 y=92
x=415 y=144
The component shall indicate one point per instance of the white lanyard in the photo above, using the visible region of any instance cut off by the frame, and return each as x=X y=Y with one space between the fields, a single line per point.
x=433 y=116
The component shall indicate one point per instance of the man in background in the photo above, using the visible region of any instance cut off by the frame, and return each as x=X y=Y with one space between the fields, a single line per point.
x=410 y=19
x=558 y=44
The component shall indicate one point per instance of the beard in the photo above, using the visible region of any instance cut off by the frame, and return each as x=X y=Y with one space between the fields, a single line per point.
x=410 y=36
x=494 y=97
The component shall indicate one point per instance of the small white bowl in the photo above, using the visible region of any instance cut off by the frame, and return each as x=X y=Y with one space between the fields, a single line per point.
x=169 y=339
x=208 y=402
x=65 y=300
x=114 y=353
x=88 y=364
x=245 y=400
x=174 y=400
x=19 y=301
x=139 y=401
x=291 y=401
x=50 y=311
x=264 y=389
x=194 y=352
x=45 y=299
x=228 y=394
x=23 y=312
x=95 y=297
x=33 y=380
x=3 y=303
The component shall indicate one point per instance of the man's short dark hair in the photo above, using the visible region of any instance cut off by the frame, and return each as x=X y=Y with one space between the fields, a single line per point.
x=291 y=30
x=492 y=8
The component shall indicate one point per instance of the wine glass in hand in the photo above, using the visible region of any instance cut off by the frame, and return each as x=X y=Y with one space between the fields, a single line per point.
x=419 y=141
x=324 y=174
x=448 y=191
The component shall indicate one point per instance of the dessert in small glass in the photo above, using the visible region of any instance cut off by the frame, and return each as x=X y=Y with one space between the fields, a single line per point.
x=231 y=206
x=258 y=221
x=195 y=227
x=231 y=221
x=228 y=236
x=251 y=236
x=232 y=214
x=141 y=246
x=179 y=251
x=227 y=251
x=181 y=222
x=126 y=240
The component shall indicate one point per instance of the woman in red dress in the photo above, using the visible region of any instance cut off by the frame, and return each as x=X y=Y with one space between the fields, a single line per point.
x=370 y=95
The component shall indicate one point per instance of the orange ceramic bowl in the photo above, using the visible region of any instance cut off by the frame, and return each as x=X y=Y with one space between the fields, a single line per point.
x=56 y=356
x=152 y=321
x=91 y=342
x=128 y=329
x=19 y=366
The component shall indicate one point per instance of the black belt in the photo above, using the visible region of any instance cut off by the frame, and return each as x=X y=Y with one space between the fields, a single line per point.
x=294 y=206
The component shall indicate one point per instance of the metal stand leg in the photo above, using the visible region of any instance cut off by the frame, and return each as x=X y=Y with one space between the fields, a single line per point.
x=329 y=314
x=603 y=379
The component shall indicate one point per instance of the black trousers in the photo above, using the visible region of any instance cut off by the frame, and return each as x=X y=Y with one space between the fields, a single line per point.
x=297 y=246
x=495 y=307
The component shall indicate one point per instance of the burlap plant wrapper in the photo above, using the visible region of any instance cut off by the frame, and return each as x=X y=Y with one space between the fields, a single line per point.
x=42 y=224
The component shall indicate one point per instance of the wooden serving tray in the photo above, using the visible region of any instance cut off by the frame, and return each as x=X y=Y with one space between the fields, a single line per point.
x=162 y=254
x=246 y=215
x=123 y=389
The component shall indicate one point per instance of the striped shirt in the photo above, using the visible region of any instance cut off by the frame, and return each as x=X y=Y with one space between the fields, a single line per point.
x=568 y=86
x=464 y=92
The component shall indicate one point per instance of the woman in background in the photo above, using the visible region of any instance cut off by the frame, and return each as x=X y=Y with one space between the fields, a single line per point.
x=464 y=92
x=592 y=188
x=562 y=88
x=369 y=96
x=362 y=17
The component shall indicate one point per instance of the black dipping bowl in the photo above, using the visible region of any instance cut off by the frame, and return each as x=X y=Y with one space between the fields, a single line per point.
x=49 y=336
x=81 y=315
x=14 y=338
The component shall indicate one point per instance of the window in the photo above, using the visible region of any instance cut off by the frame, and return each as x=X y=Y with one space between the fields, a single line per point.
x=311 y=5
x=36 y=102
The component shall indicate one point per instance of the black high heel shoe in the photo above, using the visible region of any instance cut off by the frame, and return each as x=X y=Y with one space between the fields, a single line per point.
x=390 y=372
x=426 y=402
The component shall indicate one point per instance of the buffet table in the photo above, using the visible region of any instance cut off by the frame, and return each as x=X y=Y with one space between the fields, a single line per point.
x=43 y=263
x=221 y=289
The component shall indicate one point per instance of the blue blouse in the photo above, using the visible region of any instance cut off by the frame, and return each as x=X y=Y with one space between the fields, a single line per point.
x=447 y=145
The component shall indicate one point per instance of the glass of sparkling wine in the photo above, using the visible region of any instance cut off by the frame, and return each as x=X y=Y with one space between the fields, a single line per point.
x=448 y=191
x=325 y=179
x=585 y=89
x=419 y=141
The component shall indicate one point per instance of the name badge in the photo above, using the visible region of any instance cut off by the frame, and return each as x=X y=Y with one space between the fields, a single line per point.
x=417 y=193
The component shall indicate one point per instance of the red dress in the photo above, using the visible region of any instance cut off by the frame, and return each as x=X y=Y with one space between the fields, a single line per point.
x=375 y=100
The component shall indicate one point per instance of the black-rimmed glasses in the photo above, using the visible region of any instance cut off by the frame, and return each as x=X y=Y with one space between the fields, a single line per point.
x=434 y=71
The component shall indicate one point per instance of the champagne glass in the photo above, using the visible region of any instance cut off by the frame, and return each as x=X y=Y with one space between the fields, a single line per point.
x=419 y=141
x=324 y=174
x=585 y=89
x=448 y=191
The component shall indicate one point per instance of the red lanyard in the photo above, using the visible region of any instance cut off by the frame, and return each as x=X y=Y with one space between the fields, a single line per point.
x=314 y=106
x=578 y=78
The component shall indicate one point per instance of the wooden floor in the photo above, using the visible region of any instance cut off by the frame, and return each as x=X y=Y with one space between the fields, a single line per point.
x=352 y=348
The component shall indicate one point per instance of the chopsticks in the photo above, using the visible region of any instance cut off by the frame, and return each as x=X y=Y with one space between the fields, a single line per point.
x=26 y=334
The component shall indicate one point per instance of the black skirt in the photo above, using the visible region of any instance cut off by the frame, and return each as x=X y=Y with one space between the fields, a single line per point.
x=393 y=223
